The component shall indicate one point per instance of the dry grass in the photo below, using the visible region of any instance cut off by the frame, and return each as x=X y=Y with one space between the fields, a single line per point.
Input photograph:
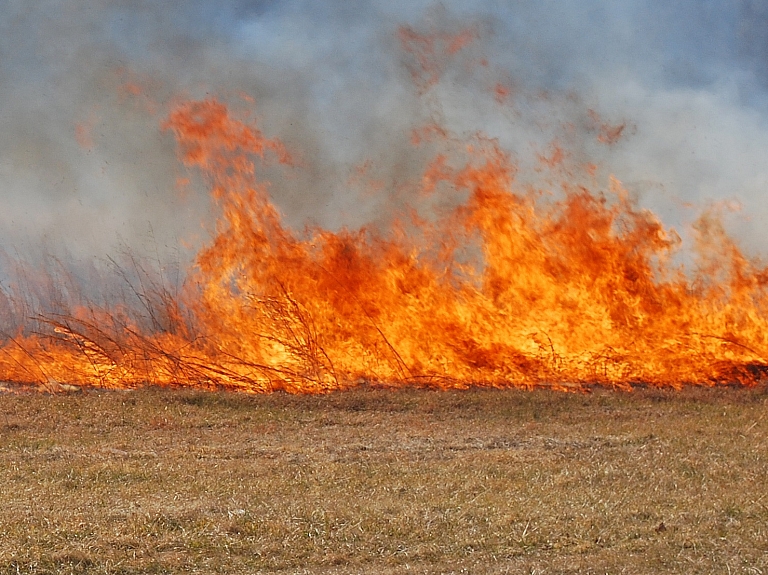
x=372 y=481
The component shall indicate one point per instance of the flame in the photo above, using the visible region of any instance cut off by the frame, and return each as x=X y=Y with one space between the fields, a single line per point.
x=510 y=287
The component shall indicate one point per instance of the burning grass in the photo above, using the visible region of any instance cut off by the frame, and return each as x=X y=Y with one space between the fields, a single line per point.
x=510 y=287
x=480 y=280
x=475 y=276
x=374 y=481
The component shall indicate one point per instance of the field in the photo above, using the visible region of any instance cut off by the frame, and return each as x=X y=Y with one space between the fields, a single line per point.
x=375 y=481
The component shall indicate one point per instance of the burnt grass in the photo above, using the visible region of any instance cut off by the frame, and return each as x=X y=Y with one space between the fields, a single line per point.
x=376 y=481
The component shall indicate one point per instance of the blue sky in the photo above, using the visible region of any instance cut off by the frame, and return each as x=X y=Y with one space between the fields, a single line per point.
x=328 y=78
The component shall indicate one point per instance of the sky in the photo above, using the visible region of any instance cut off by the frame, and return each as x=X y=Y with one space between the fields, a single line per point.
x=85 y=169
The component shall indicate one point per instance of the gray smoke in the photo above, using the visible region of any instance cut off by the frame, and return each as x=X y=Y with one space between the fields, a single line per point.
x=85 y=169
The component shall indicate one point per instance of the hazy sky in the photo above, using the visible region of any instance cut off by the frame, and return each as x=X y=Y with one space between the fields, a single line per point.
x=84 y=165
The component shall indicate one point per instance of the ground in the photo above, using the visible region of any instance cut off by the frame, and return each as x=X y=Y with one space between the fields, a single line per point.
x=375 y=481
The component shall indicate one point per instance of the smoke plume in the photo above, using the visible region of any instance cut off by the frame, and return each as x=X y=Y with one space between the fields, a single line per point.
x=85 y=168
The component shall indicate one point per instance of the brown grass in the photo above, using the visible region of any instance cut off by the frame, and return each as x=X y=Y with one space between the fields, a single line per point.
x=372 y=481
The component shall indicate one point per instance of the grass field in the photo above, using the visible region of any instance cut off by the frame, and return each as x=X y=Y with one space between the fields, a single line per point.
x=372 y=481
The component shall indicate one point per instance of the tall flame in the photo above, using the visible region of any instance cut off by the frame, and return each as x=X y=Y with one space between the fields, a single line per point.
x=510 y=287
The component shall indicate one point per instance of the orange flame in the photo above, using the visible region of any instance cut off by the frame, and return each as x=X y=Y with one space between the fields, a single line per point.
x=511 y=287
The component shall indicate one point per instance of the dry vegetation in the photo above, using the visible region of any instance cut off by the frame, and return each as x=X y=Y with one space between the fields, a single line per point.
x=371 y=481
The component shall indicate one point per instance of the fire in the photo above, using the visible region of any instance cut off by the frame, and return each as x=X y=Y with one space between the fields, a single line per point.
x=509 y=287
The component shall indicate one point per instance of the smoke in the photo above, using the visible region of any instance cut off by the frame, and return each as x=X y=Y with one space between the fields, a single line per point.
x=84 y=167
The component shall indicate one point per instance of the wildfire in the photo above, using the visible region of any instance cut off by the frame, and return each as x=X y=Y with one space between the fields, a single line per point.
x=510 y=287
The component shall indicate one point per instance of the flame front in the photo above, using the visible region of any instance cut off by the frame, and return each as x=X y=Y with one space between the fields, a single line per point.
x=511 y=287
